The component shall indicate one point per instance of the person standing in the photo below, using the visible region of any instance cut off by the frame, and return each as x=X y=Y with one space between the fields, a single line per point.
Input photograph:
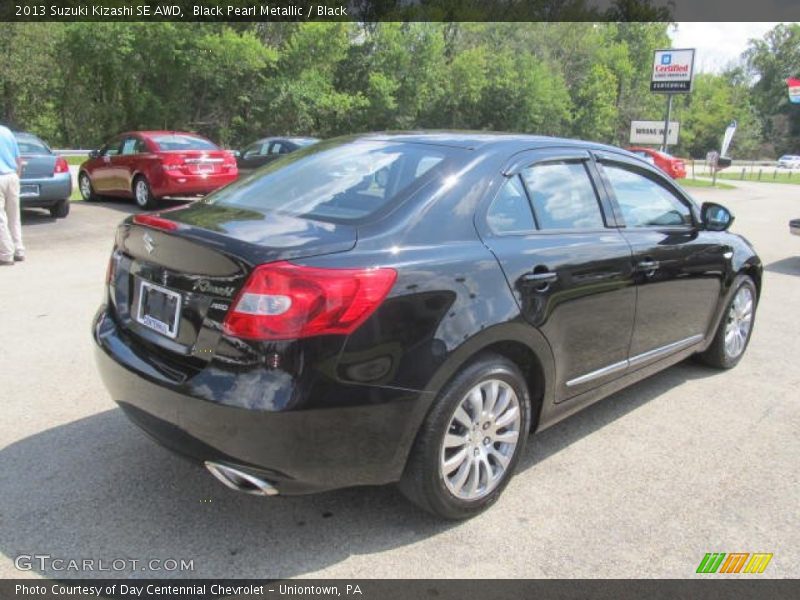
x=11 y=247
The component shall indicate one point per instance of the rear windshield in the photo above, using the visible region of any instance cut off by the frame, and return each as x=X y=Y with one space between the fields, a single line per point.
x=29 y=145
x=178 y=141
x=335 y=181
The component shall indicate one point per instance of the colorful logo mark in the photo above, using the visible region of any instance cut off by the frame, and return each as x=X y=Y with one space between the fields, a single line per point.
x=666 y=59
x=736 y=562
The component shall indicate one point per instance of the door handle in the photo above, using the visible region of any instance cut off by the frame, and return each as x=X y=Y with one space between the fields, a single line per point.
x=539 y=279
x=648 y=265
x=546 y=277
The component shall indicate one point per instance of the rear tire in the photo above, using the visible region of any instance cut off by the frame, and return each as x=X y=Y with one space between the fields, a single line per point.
x=455 y=479
x=143 y=194
x=734 y=330
x=86 y=188
x=60 y=209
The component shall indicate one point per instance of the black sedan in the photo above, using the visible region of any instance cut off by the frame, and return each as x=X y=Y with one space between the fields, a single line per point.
x=46 y=181
x=265 y=150
x=407 y=307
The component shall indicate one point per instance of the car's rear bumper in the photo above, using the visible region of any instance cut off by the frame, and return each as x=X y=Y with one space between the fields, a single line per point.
x=191 y=185
x=364 y=441
x=45 y=191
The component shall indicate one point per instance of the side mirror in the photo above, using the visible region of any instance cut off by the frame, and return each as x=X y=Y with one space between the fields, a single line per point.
x=715 y=217
x=94 y=153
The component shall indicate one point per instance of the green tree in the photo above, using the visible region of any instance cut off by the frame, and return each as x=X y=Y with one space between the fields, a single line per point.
x=707 y=111
x=771 y=61
x=29 y=84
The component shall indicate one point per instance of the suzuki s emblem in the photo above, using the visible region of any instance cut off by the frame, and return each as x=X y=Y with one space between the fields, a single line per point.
x=149 y=243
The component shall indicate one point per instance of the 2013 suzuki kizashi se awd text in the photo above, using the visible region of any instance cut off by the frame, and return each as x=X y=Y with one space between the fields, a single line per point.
x=408 y=307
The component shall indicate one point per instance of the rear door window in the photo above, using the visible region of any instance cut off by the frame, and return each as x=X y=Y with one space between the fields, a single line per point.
x=563 y=196
x=510 y=211
x=278 y=148
x=129 y=146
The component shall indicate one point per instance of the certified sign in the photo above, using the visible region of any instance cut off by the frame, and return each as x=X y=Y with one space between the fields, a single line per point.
x=672 y=71
x=652 y=132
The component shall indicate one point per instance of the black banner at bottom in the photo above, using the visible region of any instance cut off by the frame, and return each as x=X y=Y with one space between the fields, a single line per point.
x=369 y=589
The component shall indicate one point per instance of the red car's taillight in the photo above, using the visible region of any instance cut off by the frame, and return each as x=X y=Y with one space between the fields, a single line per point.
x=172 y=164
x=155 y=222
x=283 y=301
x=61 y=165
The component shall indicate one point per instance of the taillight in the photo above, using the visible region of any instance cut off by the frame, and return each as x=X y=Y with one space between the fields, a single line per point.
x=172 y=166
x=283 y=301
x=61 y=165
x=155 y=222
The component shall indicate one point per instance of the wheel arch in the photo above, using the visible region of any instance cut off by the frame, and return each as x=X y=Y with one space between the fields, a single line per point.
x=136 y=175
x=523 y=345
x=754 y=272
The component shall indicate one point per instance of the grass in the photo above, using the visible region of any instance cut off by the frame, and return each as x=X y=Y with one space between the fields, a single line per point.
x=767 y=176
x=76 y=160
x=703 y=183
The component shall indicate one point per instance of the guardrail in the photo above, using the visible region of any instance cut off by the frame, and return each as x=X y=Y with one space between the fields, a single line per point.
x=749 y=170
x=70 y=152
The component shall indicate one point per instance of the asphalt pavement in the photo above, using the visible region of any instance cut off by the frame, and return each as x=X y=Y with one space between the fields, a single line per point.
x=642 y=484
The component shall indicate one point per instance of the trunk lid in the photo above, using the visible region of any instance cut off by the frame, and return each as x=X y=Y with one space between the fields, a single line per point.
x=200 y=267
x=200 y=162
x=37 y=166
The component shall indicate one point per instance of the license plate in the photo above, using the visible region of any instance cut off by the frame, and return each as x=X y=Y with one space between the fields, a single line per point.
x=159 y=309
x=28 y=190
x=205 y=167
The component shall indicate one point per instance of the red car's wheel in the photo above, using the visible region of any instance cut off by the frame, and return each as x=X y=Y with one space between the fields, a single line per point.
x=143 y=194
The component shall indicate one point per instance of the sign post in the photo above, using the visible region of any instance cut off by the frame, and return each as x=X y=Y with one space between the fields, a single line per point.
x=673 y=73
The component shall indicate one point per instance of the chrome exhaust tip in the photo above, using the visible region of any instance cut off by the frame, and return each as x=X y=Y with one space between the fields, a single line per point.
x=240 y=481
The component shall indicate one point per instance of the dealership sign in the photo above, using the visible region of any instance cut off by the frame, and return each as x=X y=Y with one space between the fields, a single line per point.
x=672 y=71
x=652 y=132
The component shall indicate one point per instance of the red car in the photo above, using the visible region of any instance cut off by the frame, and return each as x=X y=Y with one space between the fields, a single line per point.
x=149 y=165
x=674 y=167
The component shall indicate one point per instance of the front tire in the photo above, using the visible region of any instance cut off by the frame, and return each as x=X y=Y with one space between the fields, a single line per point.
x=143 y=194
x=735 y=328
x=470 y=443
x=60 y=209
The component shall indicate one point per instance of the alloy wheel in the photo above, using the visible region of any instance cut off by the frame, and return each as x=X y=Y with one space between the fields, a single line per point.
x=740 y=320
x=142 y=193
x=86 y=187
x=480 y=440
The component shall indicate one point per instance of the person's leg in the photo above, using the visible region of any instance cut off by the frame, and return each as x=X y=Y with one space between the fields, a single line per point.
x=6 y=245
x=13 y=212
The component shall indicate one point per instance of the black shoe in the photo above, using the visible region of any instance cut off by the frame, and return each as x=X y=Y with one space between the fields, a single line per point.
x=19 y=257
